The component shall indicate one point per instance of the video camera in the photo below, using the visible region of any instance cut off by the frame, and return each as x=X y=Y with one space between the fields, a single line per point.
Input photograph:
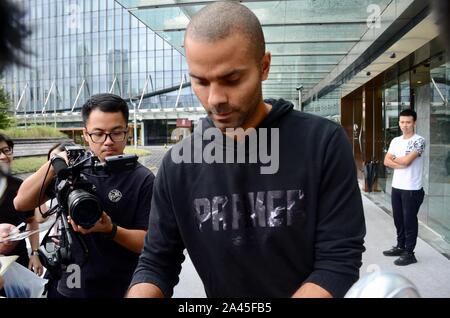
x=76 y=197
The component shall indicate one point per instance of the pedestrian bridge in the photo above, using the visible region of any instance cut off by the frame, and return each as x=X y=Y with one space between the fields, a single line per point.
x=192 y=113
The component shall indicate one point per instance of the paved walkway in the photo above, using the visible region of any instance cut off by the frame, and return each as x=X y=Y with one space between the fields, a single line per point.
x=156 y=155
x=431 y=274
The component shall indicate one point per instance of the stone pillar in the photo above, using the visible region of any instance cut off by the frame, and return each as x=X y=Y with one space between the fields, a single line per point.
x=423 y=108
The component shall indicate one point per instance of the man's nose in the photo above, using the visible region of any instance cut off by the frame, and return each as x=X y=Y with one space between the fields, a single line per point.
x=108 y=140
x=217 y=95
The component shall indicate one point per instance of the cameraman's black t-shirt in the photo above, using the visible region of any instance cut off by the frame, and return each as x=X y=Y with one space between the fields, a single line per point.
x=107 y=272
x=8 y=214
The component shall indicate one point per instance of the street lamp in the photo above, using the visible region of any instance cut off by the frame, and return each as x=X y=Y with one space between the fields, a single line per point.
x=299 y=89
x=134 y=123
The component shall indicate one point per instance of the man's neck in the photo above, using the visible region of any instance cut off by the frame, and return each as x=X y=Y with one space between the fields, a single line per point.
x=256 y=118
x=409 y=135
x=261 y=112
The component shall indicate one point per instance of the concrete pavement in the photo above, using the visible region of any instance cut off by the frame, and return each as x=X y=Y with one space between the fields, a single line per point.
x=431 y=274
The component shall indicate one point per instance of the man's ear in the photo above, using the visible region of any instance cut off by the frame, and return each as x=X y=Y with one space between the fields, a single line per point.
x=265 y=67
x=85 y=136
x=128 y=135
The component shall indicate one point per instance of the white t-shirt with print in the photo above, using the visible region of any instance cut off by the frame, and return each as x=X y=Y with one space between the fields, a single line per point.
x=409 y=178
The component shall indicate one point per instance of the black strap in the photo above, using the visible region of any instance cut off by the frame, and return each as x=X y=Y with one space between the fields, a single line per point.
x=112 y=234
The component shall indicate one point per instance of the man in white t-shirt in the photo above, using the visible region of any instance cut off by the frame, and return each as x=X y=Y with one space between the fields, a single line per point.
x=405 y=157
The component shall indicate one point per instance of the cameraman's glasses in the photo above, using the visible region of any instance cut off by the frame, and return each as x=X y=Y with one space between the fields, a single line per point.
x=100 y=137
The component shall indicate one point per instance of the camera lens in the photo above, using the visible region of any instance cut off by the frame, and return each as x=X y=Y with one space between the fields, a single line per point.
x=84 y=208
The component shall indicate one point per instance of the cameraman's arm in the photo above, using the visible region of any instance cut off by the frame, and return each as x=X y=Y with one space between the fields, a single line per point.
x=27 y=196
x=132 y=240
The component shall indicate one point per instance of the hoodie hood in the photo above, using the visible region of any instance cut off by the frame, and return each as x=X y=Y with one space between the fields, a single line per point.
x=280 y=108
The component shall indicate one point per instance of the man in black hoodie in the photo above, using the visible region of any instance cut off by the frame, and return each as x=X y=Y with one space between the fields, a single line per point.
x=293 y=228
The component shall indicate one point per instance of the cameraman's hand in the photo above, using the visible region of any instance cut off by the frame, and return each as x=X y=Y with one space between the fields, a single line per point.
x=63 y=155
x=104 y=225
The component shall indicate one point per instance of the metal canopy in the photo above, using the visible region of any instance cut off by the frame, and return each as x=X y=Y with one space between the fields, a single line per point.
x=307 y=38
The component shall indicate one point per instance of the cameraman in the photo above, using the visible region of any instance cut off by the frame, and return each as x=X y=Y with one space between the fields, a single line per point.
x=115 y=241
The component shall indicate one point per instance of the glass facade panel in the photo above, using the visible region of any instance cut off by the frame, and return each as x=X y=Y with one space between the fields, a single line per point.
x=405 y=91
x=94 y=41
x=306 y=60
x=439 y=145
x=304 y=32
x=315 y=11
x=304 y=48
x=327 y=106
x=309 y=70
x=164 y=18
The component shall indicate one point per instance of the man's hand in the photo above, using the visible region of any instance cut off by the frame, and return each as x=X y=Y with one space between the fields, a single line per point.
x=310 y=290
x=35 y=265
x=7 y=246
x=144 y=290
x=63 y=155
x=131 y=239
x=406 y=160
x=104 y=225
x=389 y=162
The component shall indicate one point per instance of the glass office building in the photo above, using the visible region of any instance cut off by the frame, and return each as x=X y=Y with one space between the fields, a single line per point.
x=358 y=62
x=85 y=47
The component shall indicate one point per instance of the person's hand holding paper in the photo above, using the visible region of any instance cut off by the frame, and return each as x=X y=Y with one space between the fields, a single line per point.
x=5 y=245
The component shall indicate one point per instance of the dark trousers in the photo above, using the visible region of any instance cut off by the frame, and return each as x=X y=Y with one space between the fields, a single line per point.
x=405 y=207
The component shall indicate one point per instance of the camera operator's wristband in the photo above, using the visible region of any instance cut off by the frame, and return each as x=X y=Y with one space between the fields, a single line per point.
x=112 y=234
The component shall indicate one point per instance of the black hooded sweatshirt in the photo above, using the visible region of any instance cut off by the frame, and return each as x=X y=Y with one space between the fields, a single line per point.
x=254 y=234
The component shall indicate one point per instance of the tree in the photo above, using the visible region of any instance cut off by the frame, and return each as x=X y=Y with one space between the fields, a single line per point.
x=5 y=120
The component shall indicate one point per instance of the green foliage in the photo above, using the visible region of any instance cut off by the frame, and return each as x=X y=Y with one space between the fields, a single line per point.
x=139 y=152
x=34 y=132
x=27 y=164
x=5 y=120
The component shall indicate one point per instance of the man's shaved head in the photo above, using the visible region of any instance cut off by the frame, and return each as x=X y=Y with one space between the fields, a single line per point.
x=221 y=19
